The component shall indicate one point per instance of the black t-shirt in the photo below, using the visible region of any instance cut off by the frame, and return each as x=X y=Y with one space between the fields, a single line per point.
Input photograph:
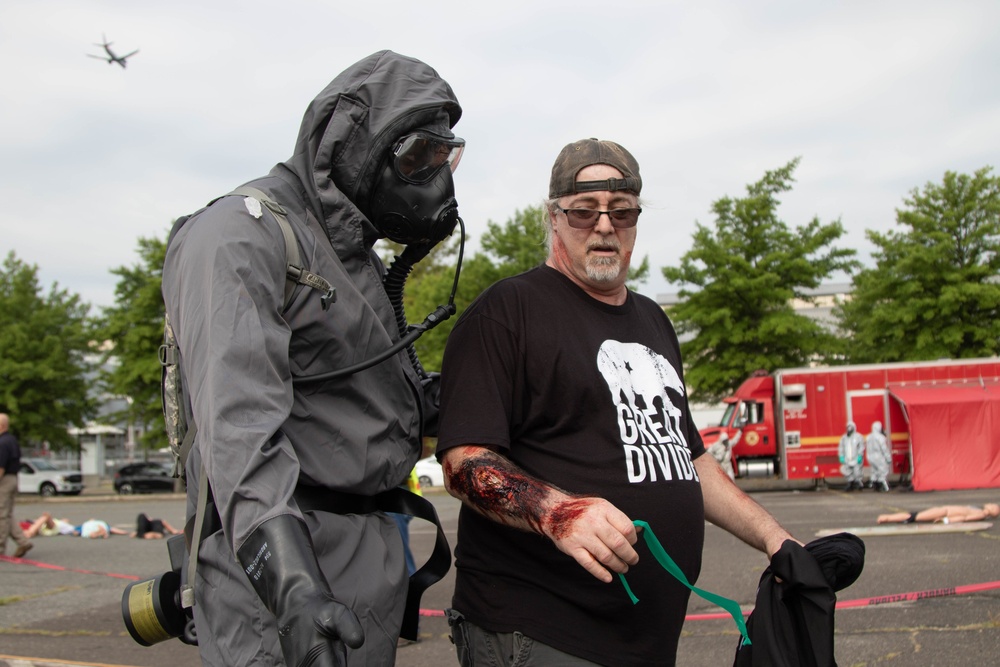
x=589 y=397
x=10 y=453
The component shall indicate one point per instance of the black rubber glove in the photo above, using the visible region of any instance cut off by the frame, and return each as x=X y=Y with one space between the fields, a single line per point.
x=313 y=626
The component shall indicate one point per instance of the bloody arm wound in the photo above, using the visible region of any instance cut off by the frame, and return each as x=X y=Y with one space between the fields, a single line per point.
x=591 y=530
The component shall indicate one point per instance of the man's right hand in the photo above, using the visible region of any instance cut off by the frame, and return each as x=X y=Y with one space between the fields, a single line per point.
x=595 y=533
x=314 y=629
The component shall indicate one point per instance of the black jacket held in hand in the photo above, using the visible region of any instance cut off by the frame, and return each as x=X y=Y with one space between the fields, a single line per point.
x=792 y=623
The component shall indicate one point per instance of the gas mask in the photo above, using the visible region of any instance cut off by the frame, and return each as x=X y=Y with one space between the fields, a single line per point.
x=413 y=201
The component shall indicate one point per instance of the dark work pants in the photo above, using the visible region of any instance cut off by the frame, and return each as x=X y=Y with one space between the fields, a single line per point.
x=477 y=647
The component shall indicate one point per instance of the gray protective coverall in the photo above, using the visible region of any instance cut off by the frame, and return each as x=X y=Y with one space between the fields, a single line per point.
x=721 y=450
x=852 y=453
x=260 y=433
x=879 y=457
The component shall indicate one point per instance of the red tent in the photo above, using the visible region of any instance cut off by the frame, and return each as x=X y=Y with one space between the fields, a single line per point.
x=954 y=434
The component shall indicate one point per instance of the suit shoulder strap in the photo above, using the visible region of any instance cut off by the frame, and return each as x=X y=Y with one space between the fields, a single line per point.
x=295 y=271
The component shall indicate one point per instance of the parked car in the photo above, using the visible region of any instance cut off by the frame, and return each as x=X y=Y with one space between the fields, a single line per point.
x=429 y=472
x=147 y=477
x=46 y=478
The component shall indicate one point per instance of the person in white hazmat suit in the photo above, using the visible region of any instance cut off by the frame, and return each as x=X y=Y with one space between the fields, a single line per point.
x=852 y=457
x=879 y=457
x=721 y=450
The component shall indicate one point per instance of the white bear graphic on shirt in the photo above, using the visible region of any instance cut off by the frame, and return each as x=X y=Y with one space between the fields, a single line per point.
x=641 y=383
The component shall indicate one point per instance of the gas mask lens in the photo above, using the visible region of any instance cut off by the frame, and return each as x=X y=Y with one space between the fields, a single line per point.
x=420 y=155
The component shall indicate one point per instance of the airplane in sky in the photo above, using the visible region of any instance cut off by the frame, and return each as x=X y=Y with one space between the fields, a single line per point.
x=111 y=57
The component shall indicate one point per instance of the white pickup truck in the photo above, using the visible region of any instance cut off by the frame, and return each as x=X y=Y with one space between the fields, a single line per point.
x=45 y=478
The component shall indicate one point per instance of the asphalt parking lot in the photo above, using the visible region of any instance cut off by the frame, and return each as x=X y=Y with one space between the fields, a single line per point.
x=924 y=599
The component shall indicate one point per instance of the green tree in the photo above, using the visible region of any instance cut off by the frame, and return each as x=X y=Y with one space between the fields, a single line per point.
x=44 y=359
x=934 y=291
x=748 y=269
x=516 y=246
x=134 y=327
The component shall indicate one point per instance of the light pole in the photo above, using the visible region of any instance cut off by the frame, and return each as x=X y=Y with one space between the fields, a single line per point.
x=130 y=433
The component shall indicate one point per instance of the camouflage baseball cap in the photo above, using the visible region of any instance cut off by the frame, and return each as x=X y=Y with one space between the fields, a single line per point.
x=583 y=153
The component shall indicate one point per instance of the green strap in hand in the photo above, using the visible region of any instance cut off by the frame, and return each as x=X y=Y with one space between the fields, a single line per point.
x=668 y=564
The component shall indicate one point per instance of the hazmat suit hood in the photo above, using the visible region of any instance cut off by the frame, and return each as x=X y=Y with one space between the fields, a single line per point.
x=347 y=132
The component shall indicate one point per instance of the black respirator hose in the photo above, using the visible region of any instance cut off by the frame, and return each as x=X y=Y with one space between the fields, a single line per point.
x=412 y=333
x=395 y=281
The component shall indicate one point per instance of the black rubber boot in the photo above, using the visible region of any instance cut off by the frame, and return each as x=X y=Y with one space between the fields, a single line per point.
x=313 y=626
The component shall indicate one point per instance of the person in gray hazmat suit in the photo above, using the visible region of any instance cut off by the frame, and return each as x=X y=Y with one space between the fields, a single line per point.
x=722 y=451
x=373 y=159
x=879 y=457
x=852 y=457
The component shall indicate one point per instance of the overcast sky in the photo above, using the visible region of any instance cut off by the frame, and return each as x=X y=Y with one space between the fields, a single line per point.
x=877 y=98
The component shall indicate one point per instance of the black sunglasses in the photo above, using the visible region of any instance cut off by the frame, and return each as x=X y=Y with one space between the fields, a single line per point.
x=585 y=218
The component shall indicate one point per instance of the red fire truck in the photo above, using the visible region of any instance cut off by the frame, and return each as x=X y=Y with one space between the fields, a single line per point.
x=789 y=422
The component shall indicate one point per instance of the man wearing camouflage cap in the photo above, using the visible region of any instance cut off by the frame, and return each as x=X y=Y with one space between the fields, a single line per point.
x=564 y=419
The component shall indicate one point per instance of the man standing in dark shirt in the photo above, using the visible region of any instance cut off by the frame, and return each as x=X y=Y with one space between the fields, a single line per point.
x=564 y=419
x=10 y=462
